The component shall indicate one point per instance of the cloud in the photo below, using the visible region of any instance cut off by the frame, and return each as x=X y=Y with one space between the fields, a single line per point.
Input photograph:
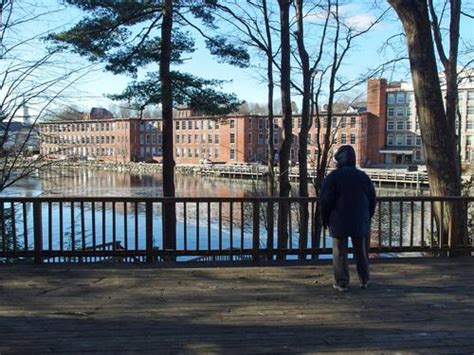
x=353 y=15
x=360 y=21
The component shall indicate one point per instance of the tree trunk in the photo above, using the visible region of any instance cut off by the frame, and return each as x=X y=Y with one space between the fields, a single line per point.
x=305 y=125
x=437 y=130
x=284 y=155
x=271 y=146
x=169 y=211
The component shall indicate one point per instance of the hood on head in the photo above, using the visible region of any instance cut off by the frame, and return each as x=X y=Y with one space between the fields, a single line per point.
x=345 y=156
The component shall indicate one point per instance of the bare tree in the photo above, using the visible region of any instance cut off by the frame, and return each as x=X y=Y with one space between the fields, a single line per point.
x=253 y=21
x=437 y=122
x=31 y=78
x=287 y=136
x=321 y=79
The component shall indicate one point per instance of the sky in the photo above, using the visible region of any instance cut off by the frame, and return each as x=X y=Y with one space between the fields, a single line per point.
x=247 y=84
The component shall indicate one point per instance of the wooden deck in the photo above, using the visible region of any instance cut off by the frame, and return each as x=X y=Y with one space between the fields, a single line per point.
x=412 y=306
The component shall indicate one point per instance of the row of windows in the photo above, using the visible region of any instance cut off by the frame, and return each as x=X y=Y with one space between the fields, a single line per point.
x=399 y=111
x=150 y=139
x=400 y=97
x=86 y=151
x=403 y=139
x=198 y=153
x=83 y=140
x=197 y=124
x=83 y=127
x=401 y=125
x=342 y=121
x=198 y=138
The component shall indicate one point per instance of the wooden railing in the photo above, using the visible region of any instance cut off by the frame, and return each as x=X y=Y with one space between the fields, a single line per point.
x=129 y=229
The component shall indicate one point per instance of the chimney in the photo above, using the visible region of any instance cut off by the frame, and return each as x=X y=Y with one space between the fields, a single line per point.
x=26 y=116
x=377 y=116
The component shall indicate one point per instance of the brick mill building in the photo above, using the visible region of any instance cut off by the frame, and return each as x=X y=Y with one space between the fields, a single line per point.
x=385 y=132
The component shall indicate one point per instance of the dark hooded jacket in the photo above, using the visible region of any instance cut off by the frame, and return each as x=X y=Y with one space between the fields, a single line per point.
x=347 y=197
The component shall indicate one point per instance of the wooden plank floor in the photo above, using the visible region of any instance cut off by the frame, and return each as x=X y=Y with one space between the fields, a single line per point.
x=413 y=306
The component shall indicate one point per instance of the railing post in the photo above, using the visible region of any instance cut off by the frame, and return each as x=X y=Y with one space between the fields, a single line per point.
x=149 y=231
x=38 y=232
x=256 y=231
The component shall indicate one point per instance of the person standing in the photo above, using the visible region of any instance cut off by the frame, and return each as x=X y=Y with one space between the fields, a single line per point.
x=347 y=206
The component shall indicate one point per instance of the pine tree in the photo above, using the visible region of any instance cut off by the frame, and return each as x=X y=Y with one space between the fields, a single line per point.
x=129 y=36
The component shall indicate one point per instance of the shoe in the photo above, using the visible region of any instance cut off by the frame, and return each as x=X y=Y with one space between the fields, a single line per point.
x=340 y=288
x=364 y=285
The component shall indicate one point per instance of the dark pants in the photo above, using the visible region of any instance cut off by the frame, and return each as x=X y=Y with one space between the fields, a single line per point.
x=340 y=263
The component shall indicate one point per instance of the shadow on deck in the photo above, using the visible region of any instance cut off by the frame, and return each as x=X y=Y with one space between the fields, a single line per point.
x=418 y=305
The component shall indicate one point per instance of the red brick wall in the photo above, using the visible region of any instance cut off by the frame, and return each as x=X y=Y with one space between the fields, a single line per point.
x=377 y=111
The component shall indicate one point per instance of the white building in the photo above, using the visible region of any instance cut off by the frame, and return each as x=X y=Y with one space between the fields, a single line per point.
x=403 y=131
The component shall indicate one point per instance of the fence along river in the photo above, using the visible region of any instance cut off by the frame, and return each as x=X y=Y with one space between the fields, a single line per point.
x=234 y=224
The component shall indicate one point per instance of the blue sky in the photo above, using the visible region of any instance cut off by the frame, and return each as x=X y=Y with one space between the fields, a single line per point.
x=245 y=83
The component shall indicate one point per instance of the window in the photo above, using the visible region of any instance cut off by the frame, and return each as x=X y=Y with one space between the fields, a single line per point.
x=409 y=125
x=334 y=122
x=260 y=124
x=390 y=125
x=177 y=138
x=400 y=111
x=409 y=111
x=196 y=153
x=390 y=139
x=232 y=138
x=216 y=125
x=391 y=111
x=189 y=138
x=343 y=122
x=418 y=140
x=343 y=138
x=409 y=140
x=470 y=124
x=232 y=153
x=196 y=138
x=177 y=152
x=209 y=138
x=353 y=138
x=401 y=98
x=400 y=125
x=260 y=138
x=216 y=140
x=391 y=98
x=190 y=124
x=399 y=140
x=209 y=124
x=232 y=124
x=353 y=122
x=417 y=155
x=469 y=140
x=198 y=125
x=190 y=152
x=177 y=125
x=276 y=138
x=147 y=139
x=250 y=137
x=325 y=122
x=216 y=153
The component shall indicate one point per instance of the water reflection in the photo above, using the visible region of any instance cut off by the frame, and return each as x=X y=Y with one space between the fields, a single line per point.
x=87 y=182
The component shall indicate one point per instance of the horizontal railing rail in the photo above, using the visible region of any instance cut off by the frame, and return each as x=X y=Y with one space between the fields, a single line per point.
x=131 y=229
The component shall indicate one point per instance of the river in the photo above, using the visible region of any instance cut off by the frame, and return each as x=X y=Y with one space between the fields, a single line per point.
x=198 y=227
x=88 y=182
